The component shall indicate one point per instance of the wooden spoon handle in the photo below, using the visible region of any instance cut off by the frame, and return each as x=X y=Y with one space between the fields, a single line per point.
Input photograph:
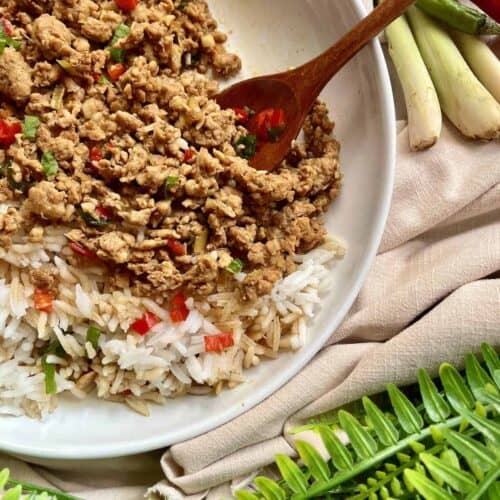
x=318 y=72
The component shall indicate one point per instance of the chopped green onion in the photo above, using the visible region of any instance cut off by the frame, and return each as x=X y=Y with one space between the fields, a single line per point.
x=93 y=334
x=30 y=127
x=50 y=376
x=89 y=219
x=6 y=171
x=235 y=267
x=182 y=5
x=117 y=54
x=49 y=369
x=57 y=97
x=49 y=164
x=246 y=146
x=121 y=31
x=170 y=182
x=7 y=41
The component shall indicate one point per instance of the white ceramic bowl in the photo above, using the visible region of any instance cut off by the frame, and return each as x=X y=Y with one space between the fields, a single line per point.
x=270 y=36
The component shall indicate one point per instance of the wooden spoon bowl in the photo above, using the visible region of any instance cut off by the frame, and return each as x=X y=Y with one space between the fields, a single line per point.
x=295 y=91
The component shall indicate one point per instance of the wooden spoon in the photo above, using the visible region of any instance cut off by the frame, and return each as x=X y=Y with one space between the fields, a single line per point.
x=295 y=91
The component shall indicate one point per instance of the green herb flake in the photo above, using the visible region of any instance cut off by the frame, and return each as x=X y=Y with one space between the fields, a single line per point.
x=246 y=146
x=121 y=31
x=89 y=219
x=93 y=334
x=30 y=127
x=235 y=267
x=170 y=182
x=49 y=164
x=8 y=172
x=117 y=54
x=7 y=41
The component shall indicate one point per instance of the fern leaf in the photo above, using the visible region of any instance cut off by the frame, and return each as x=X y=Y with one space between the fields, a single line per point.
x=492 y=361
x=450 y=457
x=409 y=417
x=494 y=491
x=426 y=487
x=314 y=461
x=291 y=473
x=478 y=379
x=4 y=477
x=442 y=472
x=489 y=396
x=246 y=495
x=339 y=454
x=436 y=407
x=485 y=485
x=270 y=490
x=488 y=428
x=470 y=449
x=13 y=494
x=364 y=445
x=457 y=392
x=384 y=428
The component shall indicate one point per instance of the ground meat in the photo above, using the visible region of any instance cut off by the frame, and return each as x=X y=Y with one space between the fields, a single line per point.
x=9 y=223
x=148 y=178
x=15 y=75
x=226 y=64
x=45 y=74
x=115 y=246
x=46 y=201
x=53 y=37
x=46 y=278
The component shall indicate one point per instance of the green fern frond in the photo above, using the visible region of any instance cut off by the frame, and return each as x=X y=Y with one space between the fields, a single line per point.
x=420 y=443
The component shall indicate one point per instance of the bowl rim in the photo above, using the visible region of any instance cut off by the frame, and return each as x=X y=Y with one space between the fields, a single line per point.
x=126 y=448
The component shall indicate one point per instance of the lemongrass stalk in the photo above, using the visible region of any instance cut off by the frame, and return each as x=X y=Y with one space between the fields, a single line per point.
x=464 y=99
x=481 y=59
x=422 y=104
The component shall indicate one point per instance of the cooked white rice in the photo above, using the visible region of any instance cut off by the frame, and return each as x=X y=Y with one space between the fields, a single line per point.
x=169 y=361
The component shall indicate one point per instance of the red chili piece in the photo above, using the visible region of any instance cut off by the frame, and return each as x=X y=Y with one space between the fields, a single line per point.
x=104 y=212
x=8 y=133
x=179 y=310
x=175 y=247
x=96 y=154
x=83 y=251
x=7 y=26
x=242 y=115
x=189 y=155
x=115 y=71
x=127 y=5
x=145 y=323
x=43 y=301
x=268 y=125
x=217 y=343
